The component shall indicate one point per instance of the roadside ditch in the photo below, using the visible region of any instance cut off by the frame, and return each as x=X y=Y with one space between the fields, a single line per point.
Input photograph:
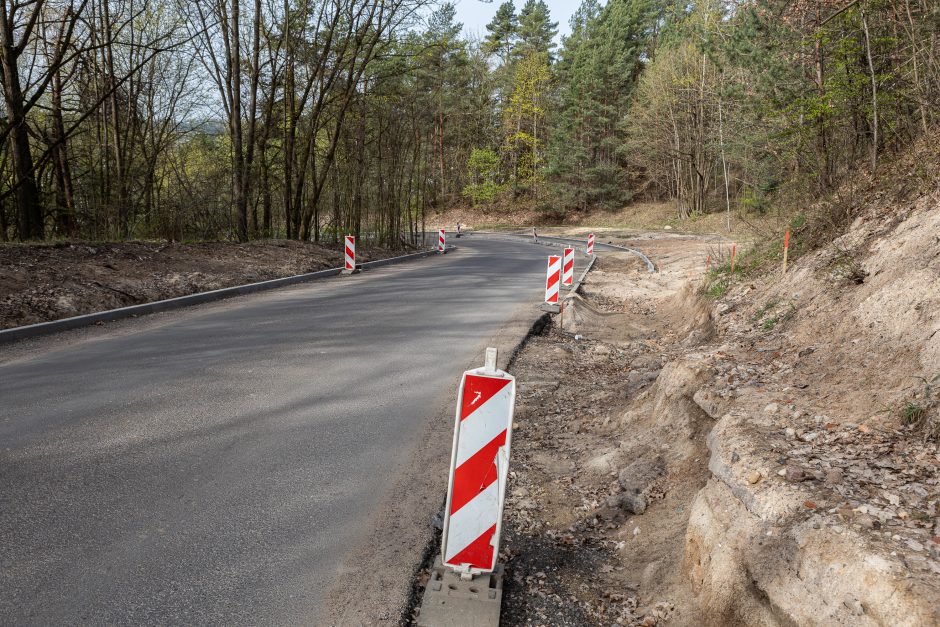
x=745 y=459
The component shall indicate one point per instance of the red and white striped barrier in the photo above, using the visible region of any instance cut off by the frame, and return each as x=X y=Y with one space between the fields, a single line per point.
x=478 y=468
x=567 y=267
x=350 y=252
x=552 y=279
x=590 y=246
x=440 y=241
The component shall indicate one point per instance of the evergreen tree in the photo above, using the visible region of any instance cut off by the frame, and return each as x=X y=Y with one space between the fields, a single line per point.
x=536 y=31
x=501 y=32
x=599 y=65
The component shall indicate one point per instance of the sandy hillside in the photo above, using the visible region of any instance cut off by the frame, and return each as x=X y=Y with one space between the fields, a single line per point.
x=693 y=447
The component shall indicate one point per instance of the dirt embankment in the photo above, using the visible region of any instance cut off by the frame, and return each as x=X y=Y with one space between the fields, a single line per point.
x=48 y=282
x=637 y=216
x=769 y=457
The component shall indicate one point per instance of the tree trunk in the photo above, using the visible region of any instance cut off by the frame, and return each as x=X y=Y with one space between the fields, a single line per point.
x=874 y=93
x=29 y=218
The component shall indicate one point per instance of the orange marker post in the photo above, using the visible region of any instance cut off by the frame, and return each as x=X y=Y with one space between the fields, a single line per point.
x=734 y=254
x=786 y=249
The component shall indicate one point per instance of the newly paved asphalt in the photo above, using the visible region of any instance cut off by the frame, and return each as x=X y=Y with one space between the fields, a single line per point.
x=215 y=467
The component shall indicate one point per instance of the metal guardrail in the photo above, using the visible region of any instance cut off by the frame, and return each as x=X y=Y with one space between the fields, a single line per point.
x=561 y=241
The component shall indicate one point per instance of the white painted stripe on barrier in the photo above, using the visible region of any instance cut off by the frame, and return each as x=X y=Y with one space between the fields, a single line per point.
x=472 y=520
x=479 y=428
x=553 y=279
x=567 y=266
x=479 y=468
x=350 y=252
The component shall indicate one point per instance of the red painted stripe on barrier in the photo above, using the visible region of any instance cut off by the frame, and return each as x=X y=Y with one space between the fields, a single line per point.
x=488 y=387
x=476 y=474
x=480 y=551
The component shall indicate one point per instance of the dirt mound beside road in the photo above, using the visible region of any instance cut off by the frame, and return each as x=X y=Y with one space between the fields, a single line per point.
x=39 y=283
x=797 y=417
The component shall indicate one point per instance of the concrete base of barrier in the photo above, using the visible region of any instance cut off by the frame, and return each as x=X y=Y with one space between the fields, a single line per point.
x=450 y=601
x=356 y=270
x=550 y=307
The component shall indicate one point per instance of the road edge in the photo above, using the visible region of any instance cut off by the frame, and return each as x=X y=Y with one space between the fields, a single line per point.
x=15 y=334
x=360 y=590
x=566 y=241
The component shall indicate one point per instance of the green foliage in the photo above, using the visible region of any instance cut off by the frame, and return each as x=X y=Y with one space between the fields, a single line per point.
x=536 y=31
x=920 y=411
x=717 y=286
x=758 y=105
x=482 y=169
x=599 y=64
x=501 y=31
x=913 y=413
x=769 y=323
x=764 y=309
x=524 y=120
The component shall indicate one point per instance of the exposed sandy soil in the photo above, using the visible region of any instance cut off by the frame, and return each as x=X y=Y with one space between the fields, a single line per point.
x=48 y=282
x=749 y=458
x=574 y=554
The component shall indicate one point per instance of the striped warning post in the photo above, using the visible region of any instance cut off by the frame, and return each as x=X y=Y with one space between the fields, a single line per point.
x=479 y=466
x=590 y=246
x=440 y=241
x=350 y=252
x=552 y=279
x=567 y=267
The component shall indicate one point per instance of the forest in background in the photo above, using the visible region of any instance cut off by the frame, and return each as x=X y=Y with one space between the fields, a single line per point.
x=306 y=119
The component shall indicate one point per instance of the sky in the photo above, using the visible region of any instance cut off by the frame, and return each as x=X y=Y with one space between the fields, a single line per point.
x=475 y=15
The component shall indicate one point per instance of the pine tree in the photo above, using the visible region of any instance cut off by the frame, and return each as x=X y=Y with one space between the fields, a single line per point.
x=599 y=65
x=536 y=31
x=501 y=32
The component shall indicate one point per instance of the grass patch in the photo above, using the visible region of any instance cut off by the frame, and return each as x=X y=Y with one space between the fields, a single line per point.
x=770 y=322
x=919 y=413
x=717 y=288
x=770 y=304
x=913 y=413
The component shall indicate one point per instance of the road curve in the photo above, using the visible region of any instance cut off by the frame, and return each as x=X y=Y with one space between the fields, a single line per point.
x=216 y=467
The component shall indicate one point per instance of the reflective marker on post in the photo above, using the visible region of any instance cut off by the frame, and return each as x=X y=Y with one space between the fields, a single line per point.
x=552 y=279
x=350 y=252
x=478 y=469
x=567 y=267
x=440 y=241
x=590 y=246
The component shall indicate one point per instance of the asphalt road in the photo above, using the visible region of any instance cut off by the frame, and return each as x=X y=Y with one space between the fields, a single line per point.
x=215 y=467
